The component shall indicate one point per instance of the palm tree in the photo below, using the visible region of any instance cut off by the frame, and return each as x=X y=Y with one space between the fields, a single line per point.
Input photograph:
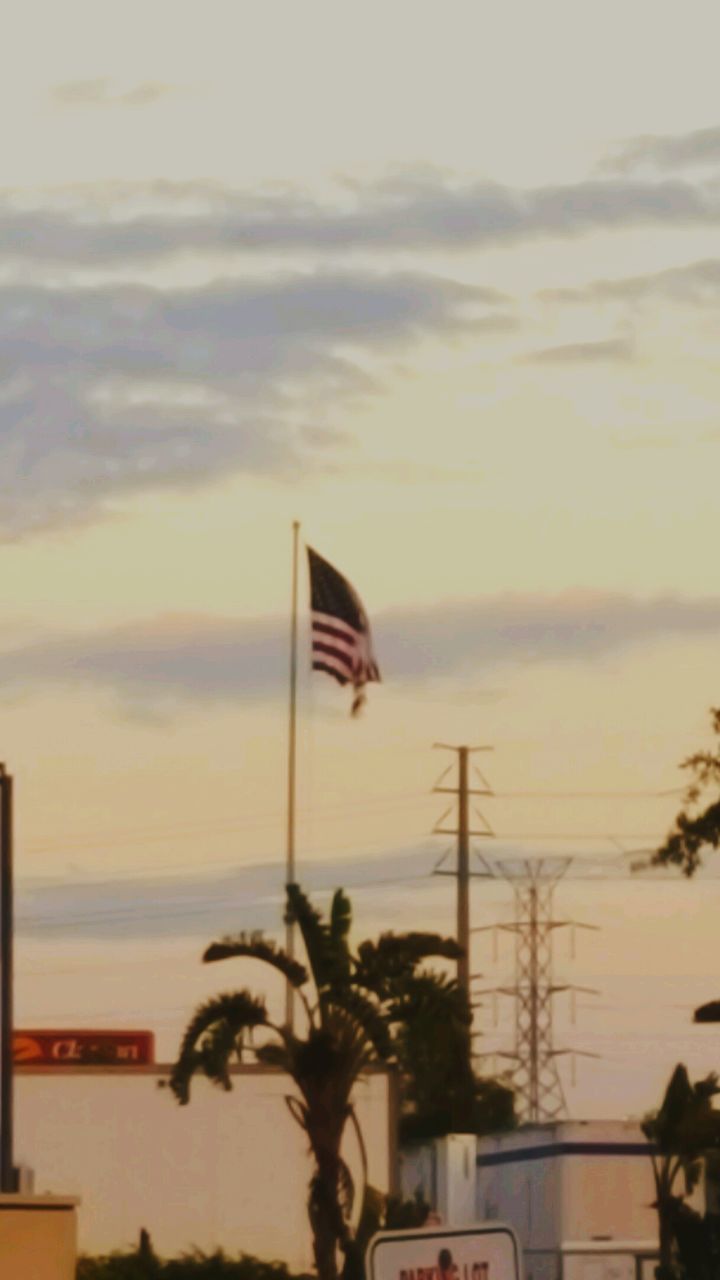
x=432 y=1026
x=684 y=1131
x=349 y=1008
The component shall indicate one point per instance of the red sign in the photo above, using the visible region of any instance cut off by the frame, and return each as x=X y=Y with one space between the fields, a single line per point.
x=83 y=1048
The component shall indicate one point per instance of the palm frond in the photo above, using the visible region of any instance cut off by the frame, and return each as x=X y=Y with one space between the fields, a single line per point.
x=369 y=1017
x=317 y=1057
x=335 y=1057
x=428 y=995
x=329 y=1062
x=316 y=936
x=212 y=1034
x=686 y=1125
x=340 y=922
x=395 y=957
x=257 y=948
x=218 y=1046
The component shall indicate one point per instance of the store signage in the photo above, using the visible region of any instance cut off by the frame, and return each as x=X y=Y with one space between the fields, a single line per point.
x=83 y=1048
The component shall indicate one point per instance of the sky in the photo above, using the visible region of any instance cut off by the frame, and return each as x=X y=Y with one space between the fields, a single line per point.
x=441 y=283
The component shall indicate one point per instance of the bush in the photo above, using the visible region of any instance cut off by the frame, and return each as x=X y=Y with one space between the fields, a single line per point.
x=143 y=1264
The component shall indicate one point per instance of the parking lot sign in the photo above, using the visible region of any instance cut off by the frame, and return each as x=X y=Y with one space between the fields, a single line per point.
x=488 y=1251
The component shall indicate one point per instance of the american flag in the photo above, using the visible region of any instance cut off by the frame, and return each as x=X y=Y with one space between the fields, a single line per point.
x=341 y=642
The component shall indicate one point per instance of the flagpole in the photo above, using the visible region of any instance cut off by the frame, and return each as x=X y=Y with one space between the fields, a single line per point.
x=292 y=735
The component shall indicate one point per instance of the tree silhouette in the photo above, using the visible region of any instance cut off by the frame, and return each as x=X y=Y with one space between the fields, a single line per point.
x=684 y=1132
x=357 y=1010
x=697 y=825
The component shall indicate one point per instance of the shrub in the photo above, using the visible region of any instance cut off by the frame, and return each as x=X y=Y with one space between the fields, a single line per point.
x=144 y=1264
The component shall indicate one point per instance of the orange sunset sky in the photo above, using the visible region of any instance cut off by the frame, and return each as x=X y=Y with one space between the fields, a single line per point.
x=441 y=282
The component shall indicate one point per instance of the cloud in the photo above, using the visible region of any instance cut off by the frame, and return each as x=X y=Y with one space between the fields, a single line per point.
x=584 y=352
x=407 y=213
x=666 y=151
x=680 y=439
x=210 y=902
x=125 y=388
x=224 y=900
x=651 y=441
x=103 y=93
x=695 y=284
x=185 y=659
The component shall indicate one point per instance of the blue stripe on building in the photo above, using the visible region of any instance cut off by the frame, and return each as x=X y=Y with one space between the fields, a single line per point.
x=551 y=1149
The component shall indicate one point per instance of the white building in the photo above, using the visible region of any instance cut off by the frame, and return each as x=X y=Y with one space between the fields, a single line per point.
x=578 y=1194
x=229 y=1170
x=574 y=1190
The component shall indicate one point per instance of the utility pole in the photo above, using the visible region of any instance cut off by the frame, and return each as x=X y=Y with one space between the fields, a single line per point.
x=462 y=872
x=7 y=1168
x=292 y=749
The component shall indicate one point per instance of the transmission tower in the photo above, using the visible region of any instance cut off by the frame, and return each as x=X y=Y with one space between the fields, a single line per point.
x=535 y=1076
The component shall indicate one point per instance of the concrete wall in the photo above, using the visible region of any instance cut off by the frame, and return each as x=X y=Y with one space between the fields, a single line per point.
x=229 y=1170
x=37 y=1237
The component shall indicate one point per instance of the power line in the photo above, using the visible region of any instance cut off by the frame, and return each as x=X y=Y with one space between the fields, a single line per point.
x=52 y=920
x=163 y=912
x=198 y=867
x=589 y=795
x=581 y=835
x=149 y=834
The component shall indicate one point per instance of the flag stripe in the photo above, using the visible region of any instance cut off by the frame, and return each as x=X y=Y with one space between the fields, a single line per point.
x=346 y=661
x=335 y=640
x=347 y=637
x=323 y=666
x=336 y=624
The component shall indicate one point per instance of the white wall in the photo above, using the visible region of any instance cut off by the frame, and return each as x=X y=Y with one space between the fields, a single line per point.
x=229 y=1170
x=456 y=1178
x=609 y=1195
x=569 y=1195
x=525 y=1194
